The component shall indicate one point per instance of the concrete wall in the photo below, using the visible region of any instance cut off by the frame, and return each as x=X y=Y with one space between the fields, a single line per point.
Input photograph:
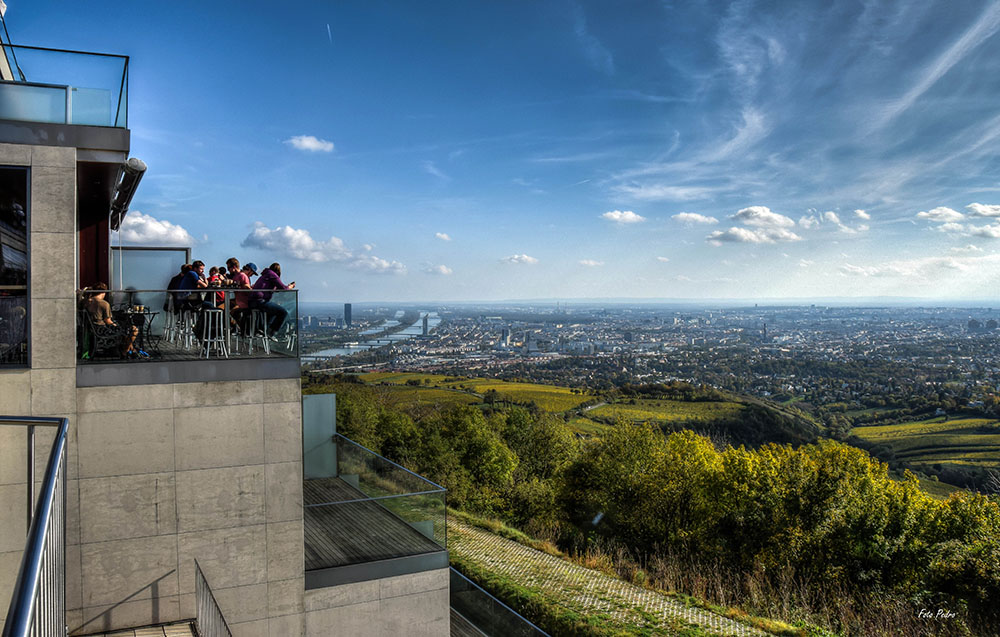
x=170 y=473
x=413 y=605
x=48 y=388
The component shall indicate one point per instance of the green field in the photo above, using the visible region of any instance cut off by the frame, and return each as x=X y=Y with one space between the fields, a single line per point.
x=548 y=397
x=958 y=441
x=667 y=411
x=404 y=396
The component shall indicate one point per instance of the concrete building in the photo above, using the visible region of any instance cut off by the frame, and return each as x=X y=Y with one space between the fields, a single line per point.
x=171 y=459
x=347 y=314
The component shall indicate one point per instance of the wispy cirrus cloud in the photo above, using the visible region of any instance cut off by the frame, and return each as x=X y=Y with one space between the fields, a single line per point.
x=310 y=143
x=431 y=169
x=623 y=217
x=598 y=54
x=298 y=243
x=591 y=263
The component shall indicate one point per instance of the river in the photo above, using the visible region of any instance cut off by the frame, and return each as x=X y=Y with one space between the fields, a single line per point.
x=416 y=329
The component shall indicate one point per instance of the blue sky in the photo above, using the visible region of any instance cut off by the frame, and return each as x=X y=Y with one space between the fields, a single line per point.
x=478 y=151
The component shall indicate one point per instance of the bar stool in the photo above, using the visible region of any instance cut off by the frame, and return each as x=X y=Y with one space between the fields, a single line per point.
x=258 y=332
x=214 y=337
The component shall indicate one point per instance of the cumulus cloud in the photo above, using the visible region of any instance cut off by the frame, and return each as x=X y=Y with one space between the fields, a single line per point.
x=990 y=232
x=691 y=218
x=748 y=235
x=310 y=143
x=623 y=217
x=951 y=228
x=808 y=222
x=442 y=236
x=299 y=244
x=438 y=269
x=983 y=210
x=519 y=258
x=148 y=230
x=663 y=259
x=941 y=214
x=762 y=217
x=591 y=263
x=861 y=214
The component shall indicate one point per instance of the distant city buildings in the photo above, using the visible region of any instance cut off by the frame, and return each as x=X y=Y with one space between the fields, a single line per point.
x=347 y=314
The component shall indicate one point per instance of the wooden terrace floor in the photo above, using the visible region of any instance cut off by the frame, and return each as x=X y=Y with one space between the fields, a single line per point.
x=354 y=532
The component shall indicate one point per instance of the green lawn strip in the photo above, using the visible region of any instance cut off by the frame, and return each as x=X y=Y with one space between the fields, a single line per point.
x=499 y=528
x=554 y=617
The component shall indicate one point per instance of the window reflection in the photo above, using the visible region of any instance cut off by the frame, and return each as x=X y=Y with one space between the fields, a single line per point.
x=13 y=266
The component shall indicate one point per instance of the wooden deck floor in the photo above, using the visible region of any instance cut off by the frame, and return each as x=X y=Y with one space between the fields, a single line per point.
x=354 y=532
x=178 y=629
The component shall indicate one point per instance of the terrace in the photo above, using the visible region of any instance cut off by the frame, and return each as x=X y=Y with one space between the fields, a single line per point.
x=367 y=517
x=33 y=88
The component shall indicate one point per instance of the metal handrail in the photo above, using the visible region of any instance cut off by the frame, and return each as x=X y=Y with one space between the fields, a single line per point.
x=211 y=621
x=38 y=603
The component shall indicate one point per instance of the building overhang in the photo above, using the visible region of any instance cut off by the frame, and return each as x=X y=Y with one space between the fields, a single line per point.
x=93 y=138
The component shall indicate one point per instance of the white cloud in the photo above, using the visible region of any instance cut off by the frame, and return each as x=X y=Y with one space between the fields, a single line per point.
x=591 y=263
x=442 y=236
x=966 y=249
x=762 y=217
x=805 y=263
x=438 y=269
x=831 y=217
x=431 y=169
x=951 y=228
x=941 y=214
x=623 y=217
x=691 y=218
x=983 y=210
x=930 y=270
x=808 y=222
x=990 y=232
x=148 y=230
x=656 y=192
x=861 y=214
x=299 y=244
x=747 y=235
x=663 y=259
x=310 y=144
x=519 y=258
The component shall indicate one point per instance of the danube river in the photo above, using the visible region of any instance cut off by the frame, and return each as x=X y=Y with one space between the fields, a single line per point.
x=416 y=329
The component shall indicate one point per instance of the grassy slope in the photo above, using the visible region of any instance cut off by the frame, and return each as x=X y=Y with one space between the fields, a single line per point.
x=960 y=441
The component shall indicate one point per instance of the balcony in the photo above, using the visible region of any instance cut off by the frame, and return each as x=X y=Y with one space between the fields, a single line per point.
x=369 y=518
x=40 y=92
x=159 y=336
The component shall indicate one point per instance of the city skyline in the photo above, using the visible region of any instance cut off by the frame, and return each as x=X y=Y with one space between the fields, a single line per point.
x=390 y=152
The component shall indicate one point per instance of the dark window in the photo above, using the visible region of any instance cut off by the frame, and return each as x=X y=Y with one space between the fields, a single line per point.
x=13 y=266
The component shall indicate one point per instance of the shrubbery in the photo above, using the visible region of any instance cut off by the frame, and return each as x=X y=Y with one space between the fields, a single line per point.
x=826 y=515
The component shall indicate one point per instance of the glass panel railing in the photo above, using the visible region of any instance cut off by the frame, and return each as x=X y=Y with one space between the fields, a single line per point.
x=486 y=613
x=372 y=510
x=65 y=87
x=162 y=325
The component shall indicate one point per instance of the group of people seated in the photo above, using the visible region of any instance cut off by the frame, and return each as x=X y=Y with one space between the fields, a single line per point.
x=191 y=292
x=93 y=300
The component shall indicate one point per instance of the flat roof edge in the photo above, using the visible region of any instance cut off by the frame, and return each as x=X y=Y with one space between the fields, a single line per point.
x=66 y=135
x=162 y=373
